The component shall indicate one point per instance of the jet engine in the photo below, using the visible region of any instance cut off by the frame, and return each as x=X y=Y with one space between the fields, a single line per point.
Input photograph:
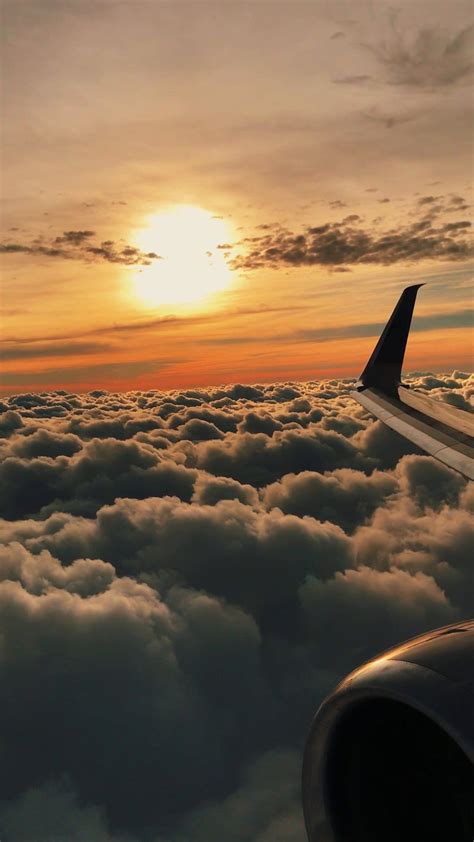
x=390 y=754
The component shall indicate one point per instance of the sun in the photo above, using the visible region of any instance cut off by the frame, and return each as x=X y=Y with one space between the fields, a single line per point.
x=191 y=266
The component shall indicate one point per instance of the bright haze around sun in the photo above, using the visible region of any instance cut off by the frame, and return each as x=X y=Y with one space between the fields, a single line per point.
x=191 y=266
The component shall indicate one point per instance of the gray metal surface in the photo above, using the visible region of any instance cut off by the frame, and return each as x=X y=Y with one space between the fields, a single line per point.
x=433 y=674
x=442 y=431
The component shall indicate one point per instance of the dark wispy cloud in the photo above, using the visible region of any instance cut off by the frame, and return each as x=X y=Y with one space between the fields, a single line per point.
x=458 y=203
x=75 y=238
x=355 y=79
x=390 y=119
x=34 y=350
x=339 y=243
x=427 y=59
x=459 y=319
x=79 y=245
x=145 y=325
x=121 y=369
x=420 y=59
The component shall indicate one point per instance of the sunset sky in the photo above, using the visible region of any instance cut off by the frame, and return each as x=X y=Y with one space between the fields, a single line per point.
x=206 y=192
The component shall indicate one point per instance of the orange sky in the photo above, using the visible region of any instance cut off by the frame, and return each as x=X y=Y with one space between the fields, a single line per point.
x=327 y=147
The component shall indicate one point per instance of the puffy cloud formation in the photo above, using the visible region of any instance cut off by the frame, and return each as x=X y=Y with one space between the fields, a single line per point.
x=183 y=577
x=78 y=245
x=348 y=243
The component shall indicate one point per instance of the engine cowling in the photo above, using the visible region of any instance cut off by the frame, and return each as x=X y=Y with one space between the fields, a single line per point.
x=390 y=754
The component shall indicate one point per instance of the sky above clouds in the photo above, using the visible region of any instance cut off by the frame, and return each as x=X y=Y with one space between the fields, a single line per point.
x=183 y=577
x=322 y=153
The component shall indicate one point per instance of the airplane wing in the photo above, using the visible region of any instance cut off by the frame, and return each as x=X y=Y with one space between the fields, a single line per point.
x=442 y=430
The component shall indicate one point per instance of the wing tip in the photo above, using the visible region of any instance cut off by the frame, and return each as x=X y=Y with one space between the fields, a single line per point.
x=384 y=366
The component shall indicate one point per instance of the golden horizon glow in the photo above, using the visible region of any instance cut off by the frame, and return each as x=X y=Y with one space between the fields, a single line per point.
x=191 y=264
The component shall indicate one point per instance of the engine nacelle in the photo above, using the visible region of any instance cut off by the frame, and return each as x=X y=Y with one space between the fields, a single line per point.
x=390 y=754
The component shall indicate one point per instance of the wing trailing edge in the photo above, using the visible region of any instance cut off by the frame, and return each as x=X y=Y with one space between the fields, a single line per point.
x=442 y=430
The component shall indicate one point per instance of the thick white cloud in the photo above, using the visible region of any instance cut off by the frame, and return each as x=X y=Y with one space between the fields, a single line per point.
x=183 y=577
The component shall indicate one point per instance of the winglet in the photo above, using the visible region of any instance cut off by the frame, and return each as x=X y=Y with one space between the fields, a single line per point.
x=384 y=369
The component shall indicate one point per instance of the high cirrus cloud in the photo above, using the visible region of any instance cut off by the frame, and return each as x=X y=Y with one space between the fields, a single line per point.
x=425 y=59
x=419 y=59
x=170 y=566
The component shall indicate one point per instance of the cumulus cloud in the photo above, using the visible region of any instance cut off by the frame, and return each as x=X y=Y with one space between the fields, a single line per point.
x=345 y=497
x=265 y=808
x=384 y=604
x=171 y=563
x=100 y=471
x=53 y=810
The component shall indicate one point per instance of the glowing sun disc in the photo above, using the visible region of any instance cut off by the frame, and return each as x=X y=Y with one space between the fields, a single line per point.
x=191 y=264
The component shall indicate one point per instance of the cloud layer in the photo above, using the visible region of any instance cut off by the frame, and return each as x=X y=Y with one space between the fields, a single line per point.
x=183 y=577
